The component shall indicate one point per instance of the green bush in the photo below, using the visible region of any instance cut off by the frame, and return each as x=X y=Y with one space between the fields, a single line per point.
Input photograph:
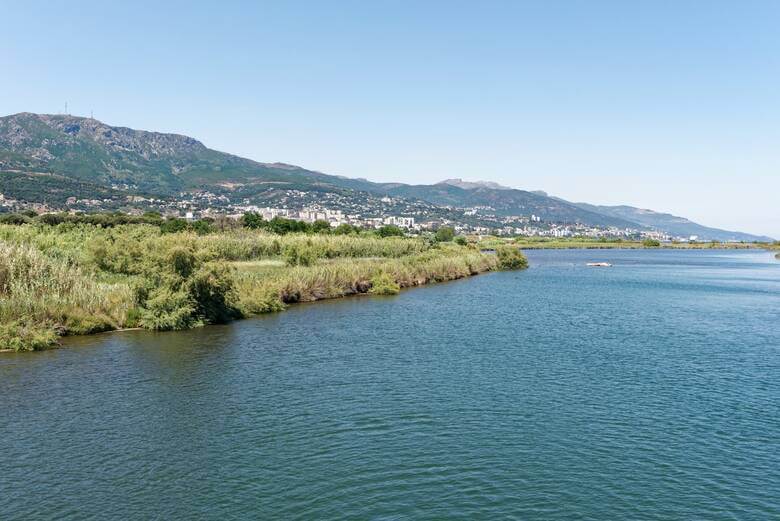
x=390 y=230
x=173 y=225
x=212 y=290
x=445 y=234
x=166 y=309
x=651 y=243
x=202 y=227
x=14 y=218
x=461 y=240
x=21 y=335
x=346 y=229
x=320 y=227
x=178 y=291
x=384 y=284
x=511 y=258
x=253 y=220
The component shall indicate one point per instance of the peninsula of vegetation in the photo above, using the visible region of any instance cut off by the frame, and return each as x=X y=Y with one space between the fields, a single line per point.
x=66 y=274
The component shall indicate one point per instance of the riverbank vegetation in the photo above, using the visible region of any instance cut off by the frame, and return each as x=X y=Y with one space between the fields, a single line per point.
x=67 y=277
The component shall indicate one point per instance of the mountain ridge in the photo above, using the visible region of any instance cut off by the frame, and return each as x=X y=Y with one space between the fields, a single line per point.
x=91 y=152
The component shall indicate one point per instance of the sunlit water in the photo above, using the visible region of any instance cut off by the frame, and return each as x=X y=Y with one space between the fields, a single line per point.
x=649 y=390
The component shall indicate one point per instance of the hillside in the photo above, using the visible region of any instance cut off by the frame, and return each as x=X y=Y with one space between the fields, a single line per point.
x=91 y=159
x=672 y=224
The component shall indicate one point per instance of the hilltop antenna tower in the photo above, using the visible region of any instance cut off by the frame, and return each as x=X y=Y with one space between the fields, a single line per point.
x=66 y=108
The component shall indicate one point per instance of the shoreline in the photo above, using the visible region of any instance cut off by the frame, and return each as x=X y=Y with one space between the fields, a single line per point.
x=352 y=294
x=78 y=281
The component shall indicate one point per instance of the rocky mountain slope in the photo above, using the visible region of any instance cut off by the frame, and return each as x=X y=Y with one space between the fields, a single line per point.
x=90 y=153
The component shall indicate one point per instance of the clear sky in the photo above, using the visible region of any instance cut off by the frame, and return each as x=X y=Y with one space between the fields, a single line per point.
x=669 y=105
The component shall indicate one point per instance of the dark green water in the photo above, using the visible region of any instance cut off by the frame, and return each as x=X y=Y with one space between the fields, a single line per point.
x=650 y=390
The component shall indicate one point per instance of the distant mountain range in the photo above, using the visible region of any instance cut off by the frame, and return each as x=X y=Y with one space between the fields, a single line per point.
x=51 y=155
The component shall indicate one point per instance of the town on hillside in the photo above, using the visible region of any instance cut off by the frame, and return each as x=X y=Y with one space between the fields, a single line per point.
x=375 y=212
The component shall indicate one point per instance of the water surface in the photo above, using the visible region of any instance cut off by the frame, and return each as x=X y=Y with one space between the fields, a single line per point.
x=649 y=390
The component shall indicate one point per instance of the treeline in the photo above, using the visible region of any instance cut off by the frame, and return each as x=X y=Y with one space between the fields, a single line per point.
x=206 y=225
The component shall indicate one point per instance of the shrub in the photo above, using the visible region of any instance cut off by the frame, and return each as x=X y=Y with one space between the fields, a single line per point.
x=346 y=229
x=390 y=230
x=52 y=219
x=166 y=309
x=22 y=335
x=445 y=234
x=202 y=227
x=14 y=218
x=461 y=240
x=212 y=290
x=173 y=225
x=384 y=284
x=283 y=226
x=511 y=258
x=178 y=290
x=253 y=221
x=320 y=227
x=651 y=243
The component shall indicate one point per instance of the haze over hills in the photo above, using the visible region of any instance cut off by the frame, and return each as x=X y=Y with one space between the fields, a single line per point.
x=57 y=154
x=670 y=223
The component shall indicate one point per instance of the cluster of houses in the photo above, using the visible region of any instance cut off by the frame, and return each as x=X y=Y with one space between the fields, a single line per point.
x=218 y=206
x=331 y=216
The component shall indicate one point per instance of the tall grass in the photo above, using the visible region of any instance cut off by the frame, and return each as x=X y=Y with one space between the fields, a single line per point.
x=41 y=297
x=79 y=278
x=267 y=290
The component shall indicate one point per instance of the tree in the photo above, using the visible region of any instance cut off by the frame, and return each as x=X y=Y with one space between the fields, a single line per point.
x=345 y=229
x=14 y=218
x=52 y=219
x=202 y=227
x=253 y=221
x=320 y=226
x=173 y=225
x=282 y=226
x=445 y=234
x=390 y=230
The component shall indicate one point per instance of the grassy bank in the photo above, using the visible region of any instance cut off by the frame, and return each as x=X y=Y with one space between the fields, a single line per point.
x=75 y=278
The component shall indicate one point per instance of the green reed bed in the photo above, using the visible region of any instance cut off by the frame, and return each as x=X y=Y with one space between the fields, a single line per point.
x=273 y=287
x=43 y=297
x=73 y=279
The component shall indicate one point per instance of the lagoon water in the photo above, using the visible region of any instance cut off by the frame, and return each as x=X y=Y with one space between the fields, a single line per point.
x=649 y=390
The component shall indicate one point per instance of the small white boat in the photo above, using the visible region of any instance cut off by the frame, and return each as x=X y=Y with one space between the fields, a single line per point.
x=599 y=264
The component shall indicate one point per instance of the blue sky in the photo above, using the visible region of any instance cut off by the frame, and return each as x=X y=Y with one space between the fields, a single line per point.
x=669 y=105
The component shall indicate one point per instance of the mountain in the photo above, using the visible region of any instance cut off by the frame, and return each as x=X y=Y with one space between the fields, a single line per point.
x=505 y=202
x=53 y=156
x=468 y=185
x=89 y=151
x=672 y=224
